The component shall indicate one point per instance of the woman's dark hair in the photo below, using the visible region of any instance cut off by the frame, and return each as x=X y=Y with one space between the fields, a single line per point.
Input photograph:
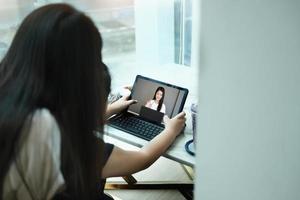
x=55 y=62
x=162 y=98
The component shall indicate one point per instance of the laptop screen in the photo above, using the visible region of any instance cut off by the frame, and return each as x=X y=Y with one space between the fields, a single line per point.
x=156 y=99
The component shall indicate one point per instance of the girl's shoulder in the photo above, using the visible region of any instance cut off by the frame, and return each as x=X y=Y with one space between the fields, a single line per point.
x=44 y=125
x=36 y=167
x=43 y=115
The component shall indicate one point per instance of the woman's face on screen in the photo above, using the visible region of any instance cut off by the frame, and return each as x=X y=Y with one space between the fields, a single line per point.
x=158 y=95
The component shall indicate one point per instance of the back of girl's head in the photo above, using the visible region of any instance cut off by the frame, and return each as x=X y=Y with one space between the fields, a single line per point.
x=57 y=53
x=55 y=62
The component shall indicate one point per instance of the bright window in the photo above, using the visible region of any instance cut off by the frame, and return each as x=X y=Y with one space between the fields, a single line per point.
x=159 y=30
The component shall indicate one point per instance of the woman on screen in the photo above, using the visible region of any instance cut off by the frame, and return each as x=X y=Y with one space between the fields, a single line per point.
x=157 y=102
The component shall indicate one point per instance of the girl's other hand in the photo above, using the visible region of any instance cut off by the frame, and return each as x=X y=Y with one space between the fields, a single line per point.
x=176 y=124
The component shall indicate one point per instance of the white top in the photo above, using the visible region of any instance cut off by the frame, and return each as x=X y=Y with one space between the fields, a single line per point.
x=153 y=105
x=38 y=160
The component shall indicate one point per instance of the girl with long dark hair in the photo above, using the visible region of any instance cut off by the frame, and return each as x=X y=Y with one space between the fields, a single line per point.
x=53 y=101
x=157 y=101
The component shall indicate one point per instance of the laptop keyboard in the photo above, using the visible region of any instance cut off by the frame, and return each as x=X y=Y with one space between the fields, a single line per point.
x=137 y=127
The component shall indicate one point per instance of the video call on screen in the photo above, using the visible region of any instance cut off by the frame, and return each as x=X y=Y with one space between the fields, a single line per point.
x=155 y=100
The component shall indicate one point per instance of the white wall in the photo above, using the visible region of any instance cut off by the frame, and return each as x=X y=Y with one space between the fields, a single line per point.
x=249 y=128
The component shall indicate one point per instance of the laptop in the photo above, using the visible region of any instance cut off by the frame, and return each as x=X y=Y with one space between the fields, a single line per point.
x=156 y=99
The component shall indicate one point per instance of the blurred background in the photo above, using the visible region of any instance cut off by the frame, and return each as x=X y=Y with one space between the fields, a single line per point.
x=116 y=20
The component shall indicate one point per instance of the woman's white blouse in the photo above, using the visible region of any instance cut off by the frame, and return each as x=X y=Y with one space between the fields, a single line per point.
x=38 y=160
x=153 y=105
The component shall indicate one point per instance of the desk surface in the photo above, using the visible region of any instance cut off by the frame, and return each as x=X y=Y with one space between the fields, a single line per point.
x=176 y=151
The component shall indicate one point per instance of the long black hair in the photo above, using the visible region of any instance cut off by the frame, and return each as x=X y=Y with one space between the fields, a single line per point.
x=162 y=98
x=55 y=62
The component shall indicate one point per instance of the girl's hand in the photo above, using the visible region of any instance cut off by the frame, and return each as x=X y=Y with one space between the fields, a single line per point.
x=176 y=124
x=120 y=104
